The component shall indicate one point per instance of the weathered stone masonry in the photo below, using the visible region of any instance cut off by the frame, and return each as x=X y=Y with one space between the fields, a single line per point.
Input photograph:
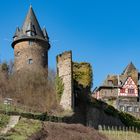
x=31 y=45
x=64 y=71
x=30 y=56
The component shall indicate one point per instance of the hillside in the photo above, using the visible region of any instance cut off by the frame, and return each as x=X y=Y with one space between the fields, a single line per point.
x=63 y=131
x=28 y=129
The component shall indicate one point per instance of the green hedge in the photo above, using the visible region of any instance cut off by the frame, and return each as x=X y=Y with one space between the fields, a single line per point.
x=41 y=117
x=110 y=110
x=127 y=119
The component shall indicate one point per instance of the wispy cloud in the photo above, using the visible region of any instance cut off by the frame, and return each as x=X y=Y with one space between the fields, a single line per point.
x=55 y=40
x=8 y=40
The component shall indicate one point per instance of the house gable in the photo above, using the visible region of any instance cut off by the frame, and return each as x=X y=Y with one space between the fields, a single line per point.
x=129 y=88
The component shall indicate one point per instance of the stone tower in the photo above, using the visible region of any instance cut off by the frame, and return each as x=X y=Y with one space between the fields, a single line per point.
x=65 y=71
x=30 y=44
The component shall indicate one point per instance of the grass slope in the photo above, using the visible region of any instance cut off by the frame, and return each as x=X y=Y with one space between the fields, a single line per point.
x=126 y=119
x=63 y=131
x=24 y=129
x=121 y=135
x=3 y=120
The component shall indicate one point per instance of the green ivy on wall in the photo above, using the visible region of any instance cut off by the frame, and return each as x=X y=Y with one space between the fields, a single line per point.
x=4 y=66
x=59 y=87
x=82 y=74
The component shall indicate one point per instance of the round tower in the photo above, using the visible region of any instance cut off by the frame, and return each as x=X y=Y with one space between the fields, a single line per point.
x=30 y=44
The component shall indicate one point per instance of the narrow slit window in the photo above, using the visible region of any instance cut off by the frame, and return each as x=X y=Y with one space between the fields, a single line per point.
x=30 y=43
x=30 y=61
x=18 y=54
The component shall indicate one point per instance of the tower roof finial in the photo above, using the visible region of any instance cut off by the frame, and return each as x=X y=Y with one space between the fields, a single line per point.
x=31 y=19
x=30 y=3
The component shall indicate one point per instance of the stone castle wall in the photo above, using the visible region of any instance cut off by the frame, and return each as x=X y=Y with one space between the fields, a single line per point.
x=64 y=71
x=96 y=117
x=30 y=55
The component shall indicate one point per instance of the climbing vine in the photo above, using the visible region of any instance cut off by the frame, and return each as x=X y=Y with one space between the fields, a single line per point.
x=82 y=74
x=59 y=86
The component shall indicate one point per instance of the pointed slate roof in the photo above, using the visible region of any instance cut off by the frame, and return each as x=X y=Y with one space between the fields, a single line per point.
x=17 y=32
x=31 y=23
x=118 y=80
x=130 y=67
x=31 y=30
x=45 y=33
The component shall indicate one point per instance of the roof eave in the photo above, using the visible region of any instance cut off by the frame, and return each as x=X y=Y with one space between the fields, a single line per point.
x=30 y=38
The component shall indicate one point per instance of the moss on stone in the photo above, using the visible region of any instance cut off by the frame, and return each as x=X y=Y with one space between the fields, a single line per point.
x=82 y=74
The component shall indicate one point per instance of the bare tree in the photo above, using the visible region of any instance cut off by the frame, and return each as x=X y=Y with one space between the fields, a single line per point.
x=33 y=89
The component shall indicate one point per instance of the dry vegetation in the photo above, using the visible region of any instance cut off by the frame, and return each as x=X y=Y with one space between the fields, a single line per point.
x=36 y=130
x=62 y=131
x=34 y=90
x=121 y=135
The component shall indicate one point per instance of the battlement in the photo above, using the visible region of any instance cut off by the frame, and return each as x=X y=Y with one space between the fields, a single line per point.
x=63 y=56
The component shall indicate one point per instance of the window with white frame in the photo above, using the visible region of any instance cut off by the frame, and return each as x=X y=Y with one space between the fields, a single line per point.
x=136 y=109
x=129 y=108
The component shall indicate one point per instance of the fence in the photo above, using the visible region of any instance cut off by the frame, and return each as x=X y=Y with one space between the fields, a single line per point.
x=120 y=132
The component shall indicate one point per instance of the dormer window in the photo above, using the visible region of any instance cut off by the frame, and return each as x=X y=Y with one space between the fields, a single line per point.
x=30 y=30
x=29 y=33
x=110 y=82
x=15 y=37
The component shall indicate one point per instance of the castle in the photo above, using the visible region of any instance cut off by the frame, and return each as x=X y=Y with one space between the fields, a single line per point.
x=30 y=44
x=121 y=91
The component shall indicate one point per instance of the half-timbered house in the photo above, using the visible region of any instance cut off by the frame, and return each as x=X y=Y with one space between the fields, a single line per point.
x=121 y=91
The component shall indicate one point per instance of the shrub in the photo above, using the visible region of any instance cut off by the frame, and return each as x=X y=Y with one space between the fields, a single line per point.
x=3 y=120
x=110 y=110
x=129 y=120
x=4 y=66
x=82 y=74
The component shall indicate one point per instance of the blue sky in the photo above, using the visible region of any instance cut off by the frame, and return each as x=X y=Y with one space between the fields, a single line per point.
x=105 y=33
